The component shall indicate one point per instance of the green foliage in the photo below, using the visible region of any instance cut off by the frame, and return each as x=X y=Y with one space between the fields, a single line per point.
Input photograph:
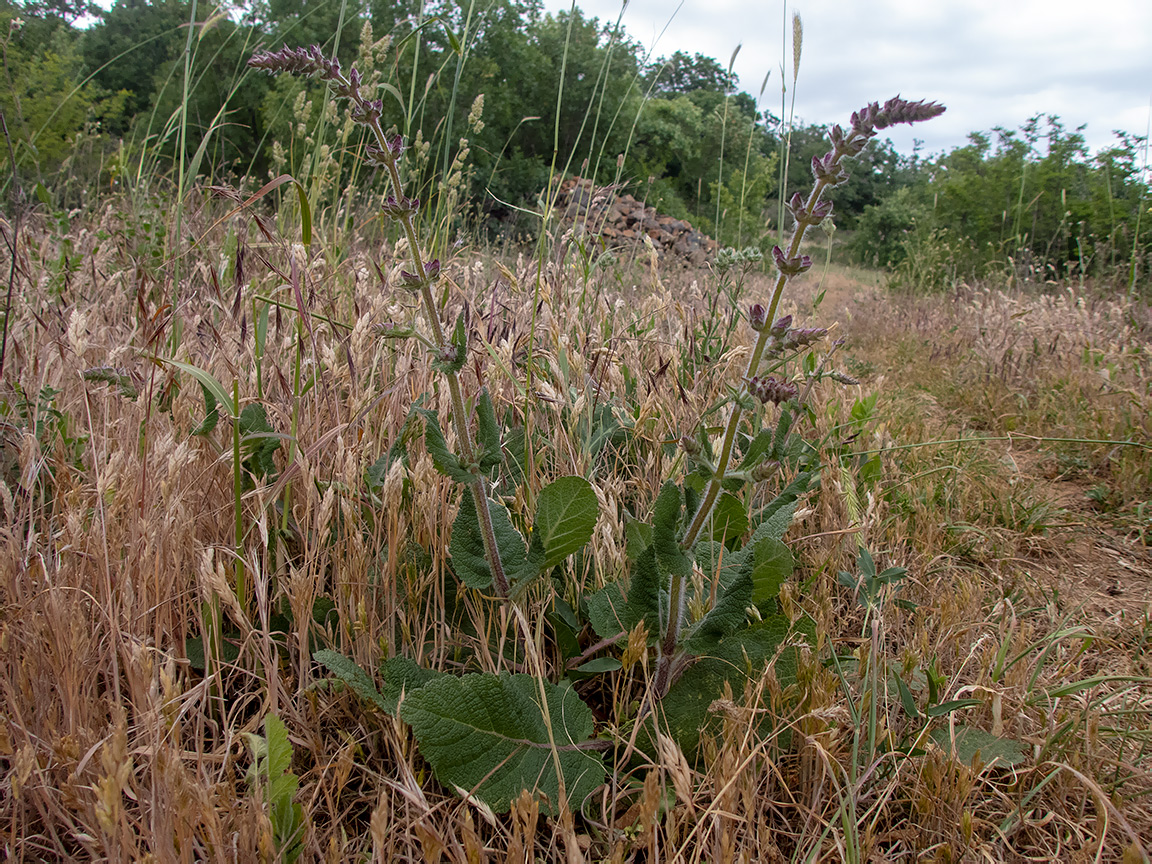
x=737 y=660
x=493 y=736
x=467 y=545
x=970 y=744
x=566 y=513
x=271 y=776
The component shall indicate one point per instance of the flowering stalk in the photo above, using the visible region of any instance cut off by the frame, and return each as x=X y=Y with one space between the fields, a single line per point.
x=828 y=172
x=385 y=153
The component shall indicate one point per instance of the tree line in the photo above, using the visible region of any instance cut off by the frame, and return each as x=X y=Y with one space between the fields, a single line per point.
x=96 y=98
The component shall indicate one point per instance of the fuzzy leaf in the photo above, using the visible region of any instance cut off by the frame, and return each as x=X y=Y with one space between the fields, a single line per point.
x=643 y=602
x=467 y=545
x=566 y=514
x=729 y=518
x=488 y=734
x=487 y=432
x=605 y=610
x=771 y=565
x=403 y=676
x=969 y=742
x=738 y=659
x=729 y=613
x=355 y=678
x=665 y=528
x=444 y=460
x=777 y=515
x=258 y=441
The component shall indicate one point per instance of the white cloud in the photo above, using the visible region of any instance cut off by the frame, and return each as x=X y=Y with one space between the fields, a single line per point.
x=992 y=62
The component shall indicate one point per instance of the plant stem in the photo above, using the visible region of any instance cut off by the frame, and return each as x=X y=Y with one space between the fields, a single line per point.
x=478 y=486
x=712 y=493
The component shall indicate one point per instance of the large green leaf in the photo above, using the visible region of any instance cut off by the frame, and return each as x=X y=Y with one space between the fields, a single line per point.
x=643 y=602
x=729 y=518
x=969 y=742
x=489 y=736
x=605 y=610
x=771 y=565
x=738 y=659
x=355 y=678
x=726 y=616
x=665 y=531
x=487 y=432
x=777 y=515
x=467 y=544
x=443 y=459
x=566 y=512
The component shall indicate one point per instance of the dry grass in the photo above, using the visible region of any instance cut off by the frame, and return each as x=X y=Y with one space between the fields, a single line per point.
x=118 y=523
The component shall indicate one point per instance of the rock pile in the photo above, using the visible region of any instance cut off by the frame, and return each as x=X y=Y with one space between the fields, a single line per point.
x=622 y=221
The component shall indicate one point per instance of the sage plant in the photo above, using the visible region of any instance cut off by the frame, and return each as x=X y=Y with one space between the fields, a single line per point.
x=777 y=336
x=385 y=151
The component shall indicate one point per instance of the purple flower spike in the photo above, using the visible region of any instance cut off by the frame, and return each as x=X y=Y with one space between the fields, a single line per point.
x=757 y=316
x=790 y=266
x=772 y=390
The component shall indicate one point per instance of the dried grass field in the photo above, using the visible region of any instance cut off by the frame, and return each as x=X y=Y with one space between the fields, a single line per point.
x=993 y=704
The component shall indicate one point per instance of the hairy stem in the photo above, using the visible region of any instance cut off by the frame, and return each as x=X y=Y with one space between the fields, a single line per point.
x=712 y=493
x=478 y=487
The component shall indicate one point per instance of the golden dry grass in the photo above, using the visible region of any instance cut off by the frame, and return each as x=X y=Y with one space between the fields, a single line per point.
x=117 y=523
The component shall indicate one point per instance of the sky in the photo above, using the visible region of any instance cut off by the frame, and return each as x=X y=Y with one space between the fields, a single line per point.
x=991 y=62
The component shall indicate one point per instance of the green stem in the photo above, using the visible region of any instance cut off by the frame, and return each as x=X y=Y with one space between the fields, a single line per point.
x=712 y=493
x=237 y=493
x=478 y=487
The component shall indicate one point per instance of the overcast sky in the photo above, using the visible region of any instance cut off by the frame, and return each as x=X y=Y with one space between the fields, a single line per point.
x=992 y=62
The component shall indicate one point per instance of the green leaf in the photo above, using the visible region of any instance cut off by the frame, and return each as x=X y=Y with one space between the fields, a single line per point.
x=756 y=449
x=566 y=514
x=489 y=735
x=488 y=432
x=259 y=441
x=970 y=742
x=211 y=414
x=599 y=666
x=459 y=341
x=729 y=613
x=948 y=707
x=665 y=530
x=729 y=518
x=777 y=515
x=737 y=659
x=605 y=610
x=443 y=459
x=355 y=678
x=906 y=698
x=637 y=537
x=42 y=194
x=467 y=545
x=772 y=564
x=208 y=382
x=643 y=602
x=305 y=214
x=403 y=676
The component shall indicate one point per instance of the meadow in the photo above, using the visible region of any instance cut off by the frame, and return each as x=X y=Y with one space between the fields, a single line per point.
x=319 y=547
